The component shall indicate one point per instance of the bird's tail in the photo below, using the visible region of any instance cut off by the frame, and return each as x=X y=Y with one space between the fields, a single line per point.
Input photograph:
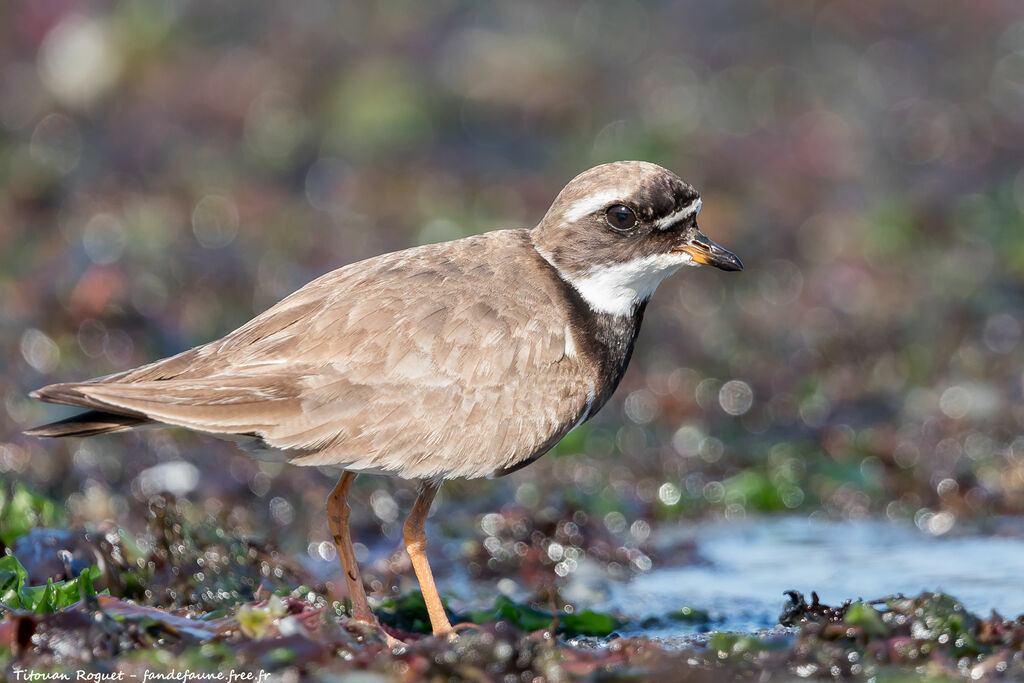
x=89 y=423
x=98 y=420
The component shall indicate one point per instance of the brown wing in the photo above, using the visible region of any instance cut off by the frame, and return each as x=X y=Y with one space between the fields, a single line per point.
x=432 y=361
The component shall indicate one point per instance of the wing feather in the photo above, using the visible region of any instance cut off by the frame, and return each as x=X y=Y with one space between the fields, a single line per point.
x=424 y=362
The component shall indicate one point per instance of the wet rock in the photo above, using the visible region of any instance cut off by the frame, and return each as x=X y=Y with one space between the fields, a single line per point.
x=798 y=611
x=57 y=554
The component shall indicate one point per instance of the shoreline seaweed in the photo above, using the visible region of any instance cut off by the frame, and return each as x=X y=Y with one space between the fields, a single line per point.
x=253 y=613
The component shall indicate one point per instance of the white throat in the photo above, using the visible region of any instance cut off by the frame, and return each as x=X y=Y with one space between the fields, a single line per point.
x=618 y=289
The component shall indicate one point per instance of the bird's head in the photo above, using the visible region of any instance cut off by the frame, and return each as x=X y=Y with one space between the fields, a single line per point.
x=617 y=230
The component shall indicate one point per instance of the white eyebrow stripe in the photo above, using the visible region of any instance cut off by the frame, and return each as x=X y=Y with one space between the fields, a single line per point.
x=691 y=209
x=591 y=203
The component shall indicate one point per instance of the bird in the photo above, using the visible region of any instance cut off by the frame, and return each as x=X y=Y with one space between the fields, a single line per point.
x=463 y=359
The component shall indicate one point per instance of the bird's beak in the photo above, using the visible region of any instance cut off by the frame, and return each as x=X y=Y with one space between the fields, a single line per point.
x=705 y=251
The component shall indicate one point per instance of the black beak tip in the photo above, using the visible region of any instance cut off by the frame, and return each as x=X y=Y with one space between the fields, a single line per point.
x=712 y=254
x=728 y=261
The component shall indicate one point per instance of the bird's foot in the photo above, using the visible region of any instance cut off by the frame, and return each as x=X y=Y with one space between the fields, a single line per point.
x=452 y=634
x=392 y=642
x=373 y=627
x=448 y=636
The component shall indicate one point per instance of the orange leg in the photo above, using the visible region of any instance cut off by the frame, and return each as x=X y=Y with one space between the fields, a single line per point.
x=416 y=546
x=337 y=517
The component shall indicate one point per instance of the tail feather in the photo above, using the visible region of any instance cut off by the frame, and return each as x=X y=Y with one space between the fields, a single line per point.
x=69 y=394
x=89 y=423
x=98 y=418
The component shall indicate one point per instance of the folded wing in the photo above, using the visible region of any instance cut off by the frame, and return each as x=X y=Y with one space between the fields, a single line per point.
x=409 y=362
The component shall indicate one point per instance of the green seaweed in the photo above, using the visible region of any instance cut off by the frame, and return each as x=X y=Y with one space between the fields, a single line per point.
x=867 y=618
x=55 y=595
x=409 y=613
x=527 y=618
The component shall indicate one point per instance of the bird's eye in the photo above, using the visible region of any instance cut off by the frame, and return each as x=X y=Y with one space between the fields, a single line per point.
x=620 y=217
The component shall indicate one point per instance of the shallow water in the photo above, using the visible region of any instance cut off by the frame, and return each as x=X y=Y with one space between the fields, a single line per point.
x=751 y=563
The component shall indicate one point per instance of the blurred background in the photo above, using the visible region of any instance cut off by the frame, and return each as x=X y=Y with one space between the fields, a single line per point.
x=169 y=169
